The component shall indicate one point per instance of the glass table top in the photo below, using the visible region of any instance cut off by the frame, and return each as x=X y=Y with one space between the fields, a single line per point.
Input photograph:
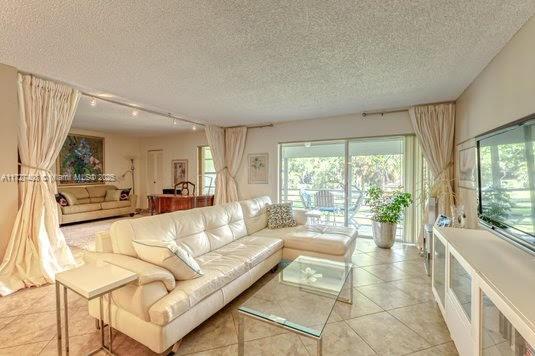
x=302 y=295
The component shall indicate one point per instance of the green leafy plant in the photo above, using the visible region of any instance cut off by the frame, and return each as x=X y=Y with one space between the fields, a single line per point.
x=387 y=207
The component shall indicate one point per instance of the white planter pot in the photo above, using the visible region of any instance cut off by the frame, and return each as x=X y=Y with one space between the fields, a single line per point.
x=384 y=234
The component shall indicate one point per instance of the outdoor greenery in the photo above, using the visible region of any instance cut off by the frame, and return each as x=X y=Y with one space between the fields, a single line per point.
x=387 y=207
x=317 y=173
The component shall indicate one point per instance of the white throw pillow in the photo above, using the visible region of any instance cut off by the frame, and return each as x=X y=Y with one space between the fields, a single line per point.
x=169 y=255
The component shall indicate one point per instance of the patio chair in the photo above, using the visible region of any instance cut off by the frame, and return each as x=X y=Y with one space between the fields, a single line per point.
x=354 y=208
x=306 y=199
x=325 y=203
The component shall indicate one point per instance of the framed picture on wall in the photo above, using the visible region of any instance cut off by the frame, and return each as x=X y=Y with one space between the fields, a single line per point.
x=81 y=160
x=179 y=169
x=258 y=167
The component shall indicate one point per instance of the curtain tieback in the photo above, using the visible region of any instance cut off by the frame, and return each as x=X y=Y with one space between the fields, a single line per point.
x=221 y=170
x=36 y=168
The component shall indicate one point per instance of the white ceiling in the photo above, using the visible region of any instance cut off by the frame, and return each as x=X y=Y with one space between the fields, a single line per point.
x=244 y=62
x=109 y=117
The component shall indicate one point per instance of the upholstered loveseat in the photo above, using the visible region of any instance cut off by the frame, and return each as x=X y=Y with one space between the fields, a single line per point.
x=91 y=204
x=231 y=244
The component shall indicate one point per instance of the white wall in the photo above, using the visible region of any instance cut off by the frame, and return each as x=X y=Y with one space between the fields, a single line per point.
x=118 y=149
x=9 y=116
x=262 y=140
x=503 y=92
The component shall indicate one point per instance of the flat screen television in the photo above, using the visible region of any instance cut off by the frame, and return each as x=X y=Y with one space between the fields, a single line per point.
x=506 y=181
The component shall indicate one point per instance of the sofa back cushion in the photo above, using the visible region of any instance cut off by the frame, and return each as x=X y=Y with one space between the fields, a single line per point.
x=99 y=191
x=80 y=193
x=254 y=213
x=199 y=231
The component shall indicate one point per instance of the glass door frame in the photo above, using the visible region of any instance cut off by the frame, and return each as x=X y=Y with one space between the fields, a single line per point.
x=409 y=143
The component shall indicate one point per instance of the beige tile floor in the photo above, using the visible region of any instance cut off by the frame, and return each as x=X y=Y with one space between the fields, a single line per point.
x=393 y=313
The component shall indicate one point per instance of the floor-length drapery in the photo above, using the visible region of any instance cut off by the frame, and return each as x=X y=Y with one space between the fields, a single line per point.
x=234 y=147
x=216 y=140
x=227 y=146
x=434 y=125
x=37 y=248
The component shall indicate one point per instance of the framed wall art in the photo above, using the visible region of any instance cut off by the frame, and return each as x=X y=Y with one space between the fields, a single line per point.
x=81 y=160
x=179 y=170
x=258 y=167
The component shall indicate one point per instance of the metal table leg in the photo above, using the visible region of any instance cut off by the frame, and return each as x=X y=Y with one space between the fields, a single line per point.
x=66 y=311
x=58 y=317
x=241 y=336
x=319 y=348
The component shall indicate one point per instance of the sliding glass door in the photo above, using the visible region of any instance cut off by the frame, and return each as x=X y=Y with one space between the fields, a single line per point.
x=312 y=177
x=331 y=178
x=376 y=161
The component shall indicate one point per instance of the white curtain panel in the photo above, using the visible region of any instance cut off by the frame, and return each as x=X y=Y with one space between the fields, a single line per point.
x=227 y=146
x=435 y=128
x=234 y=146
x=216 y=140
x=37 y=248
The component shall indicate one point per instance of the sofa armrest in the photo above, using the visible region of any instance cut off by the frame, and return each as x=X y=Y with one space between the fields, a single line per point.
x=60 y=212
x=147 y=272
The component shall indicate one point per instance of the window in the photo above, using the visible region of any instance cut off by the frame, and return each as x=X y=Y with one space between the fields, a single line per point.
x=206 y=171
x=333 y=176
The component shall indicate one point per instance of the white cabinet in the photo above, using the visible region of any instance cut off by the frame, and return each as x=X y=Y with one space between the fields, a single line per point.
x=485 y=288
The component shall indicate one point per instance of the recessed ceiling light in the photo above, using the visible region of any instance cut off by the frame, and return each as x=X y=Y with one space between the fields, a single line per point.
x=93 y=102
x=135 y=113
x=307 y=144
x=194 y=128
x=175 y=122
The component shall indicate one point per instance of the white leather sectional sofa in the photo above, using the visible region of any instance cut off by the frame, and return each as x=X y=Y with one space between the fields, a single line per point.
x=234 y=249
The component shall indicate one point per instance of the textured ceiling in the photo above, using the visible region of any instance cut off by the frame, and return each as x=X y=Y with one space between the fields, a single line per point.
x=233 y=62
x=109 y=117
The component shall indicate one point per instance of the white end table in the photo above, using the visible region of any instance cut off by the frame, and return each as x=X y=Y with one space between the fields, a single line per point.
x=90 y=281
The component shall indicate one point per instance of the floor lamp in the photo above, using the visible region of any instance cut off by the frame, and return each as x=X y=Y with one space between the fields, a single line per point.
x=131 y=171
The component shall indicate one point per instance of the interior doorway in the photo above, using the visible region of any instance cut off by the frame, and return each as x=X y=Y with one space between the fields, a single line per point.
x=155 y=171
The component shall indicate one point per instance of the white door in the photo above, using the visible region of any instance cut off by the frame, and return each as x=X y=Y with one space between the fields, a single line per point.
x=155 y=172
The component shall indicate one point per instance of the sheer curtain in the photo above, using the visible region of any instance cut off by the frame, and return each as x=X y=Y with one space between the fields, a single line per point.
x=434 y=125
x=37 y=248
x=227 y=146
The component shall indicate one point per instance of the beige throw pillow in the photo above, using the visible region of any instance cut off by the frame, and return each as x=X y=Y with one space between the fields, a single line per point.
x=169 y=255
x=113 y=195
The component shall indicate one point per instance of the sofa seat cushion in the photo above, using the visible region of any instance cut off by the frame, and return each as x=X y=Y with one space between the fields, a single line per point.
x=331 y=240
x=115 y=204
x=80 y=208
x=218 y=271
x=252 y=249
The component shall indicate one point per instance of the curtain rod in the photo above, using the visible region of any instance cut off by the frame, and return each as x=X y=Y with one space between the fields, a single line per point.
x=370 y=113
x=382 y=112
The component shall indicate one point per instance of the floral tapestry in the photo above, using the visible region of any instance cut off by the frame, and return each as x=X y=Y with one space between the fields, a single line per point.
x=81 y=160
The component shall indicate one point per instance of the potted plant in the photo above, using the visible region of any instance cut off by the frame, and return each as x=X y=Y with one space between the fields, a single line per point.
x=386 y=210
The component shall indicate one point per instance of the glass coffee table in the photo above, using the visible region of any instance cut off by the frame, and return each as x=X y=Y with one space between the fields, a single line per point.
x=300 y=298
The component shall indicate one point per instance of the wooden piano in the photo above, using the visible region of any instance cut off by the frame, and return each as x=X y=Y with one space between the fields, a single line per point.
x=165 y=203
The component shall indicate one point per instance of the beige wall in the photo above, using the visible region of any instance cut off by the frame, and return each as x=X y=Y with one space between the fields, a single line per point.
x=262 y=140
x=118 y=149
x=503 y=92
x=8 y=158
